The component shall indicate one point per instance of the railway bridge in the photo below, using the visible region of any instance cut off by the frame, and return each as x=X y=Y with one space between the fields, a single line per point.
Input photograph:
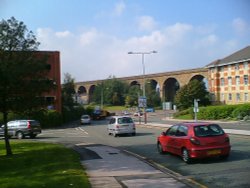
x=167 y=83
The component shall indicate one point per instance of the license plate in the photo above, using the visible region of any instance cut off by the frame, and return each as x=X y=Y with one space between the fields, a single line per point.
x=214 y=152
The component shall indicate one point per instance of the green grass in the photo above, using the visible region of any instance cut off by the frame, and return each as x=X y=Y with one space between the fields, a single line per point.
x=40 y=165
x=115 y=108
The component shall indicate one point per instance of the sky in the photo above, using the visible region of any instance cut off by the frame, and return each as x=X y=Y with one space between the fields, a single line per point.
x=95 y=36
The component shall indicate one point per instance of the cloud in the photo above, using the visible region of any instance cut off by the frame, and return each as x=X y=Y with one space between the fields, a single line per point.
x=92 y=54
x=240 y=26
x=119 y=8
x=146 y=23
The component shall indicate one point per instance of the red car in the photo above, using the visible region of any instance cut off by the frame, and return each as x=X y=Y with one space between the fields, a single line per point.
x=195 y=140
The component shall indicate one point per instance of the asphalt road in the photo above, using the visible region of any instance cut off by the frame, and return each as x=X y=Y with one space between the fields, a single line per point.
x=234 y=172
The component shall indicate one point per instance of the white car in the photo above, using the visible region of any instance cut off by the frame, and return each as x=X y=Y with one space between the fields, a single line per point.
x=85 y=119
x=121 y=125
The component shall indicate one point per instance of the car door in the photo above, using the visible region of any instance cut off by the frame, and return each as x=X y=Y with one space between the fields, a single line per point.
x=170 y=138
x=180 y=139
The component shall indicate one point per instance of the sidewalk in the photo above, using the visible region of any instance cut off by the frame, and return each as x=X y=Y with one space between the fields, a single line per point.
x=108 y=167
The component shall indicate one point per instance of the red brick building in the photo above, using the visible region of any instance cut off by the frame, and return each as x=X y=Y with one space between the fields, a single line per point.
x=53 y=98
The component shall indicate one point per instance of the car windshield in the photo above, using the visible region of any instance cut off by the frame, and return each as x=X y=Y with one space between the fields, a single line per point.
x=208 y=130
x=125 y=120
x=85 y=117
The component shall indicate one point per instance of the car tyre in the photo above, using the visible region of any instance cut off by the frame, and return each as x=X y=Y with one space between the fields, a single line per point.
x=20 y=135
x=159 y=148
x=133 y=134
x=185 y=156
x=33 y=136
x=224 y=157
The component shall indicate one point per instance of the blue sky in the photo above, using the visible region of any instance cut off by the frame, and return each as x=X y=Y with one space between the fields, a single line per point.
x=94 y=36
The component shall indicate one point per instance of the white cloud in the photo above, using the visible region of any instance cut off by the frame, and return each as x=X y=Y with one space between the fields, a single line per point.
x=92 y=54
x=119 y=8
x=240 y=26
x=62 y=34
x=146 y=23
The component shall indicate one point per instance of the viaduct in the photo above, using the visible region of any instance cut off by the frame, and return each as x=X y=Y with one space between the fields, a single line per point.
x=167 y=83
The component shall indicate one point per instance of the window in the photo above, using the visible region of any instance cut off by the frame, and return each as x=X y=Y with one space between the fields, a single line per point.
x=182 y=131
x=229 y=67
x=237 y=78
x=222 y=82
x=246 y=79
x=237 y=67
x=246 y=97
x=172 y=131
x=245 y=65
x=229 y=81
x=229 y=96
x=222 y=97
x=237 y=96
x=221 y=69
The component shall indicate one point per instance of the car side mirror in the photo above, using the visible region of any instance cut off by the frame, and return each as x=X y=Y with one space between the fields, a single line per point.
x=163 y=133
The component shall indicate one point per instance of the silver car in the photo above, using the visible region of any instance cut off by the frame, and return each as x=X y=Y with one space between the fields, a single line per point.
x=85 y=119
x=121 y=125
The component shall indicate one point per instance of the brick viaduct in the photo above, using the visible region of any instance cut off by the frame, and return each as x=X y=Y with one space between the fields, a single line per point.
x=167 y=82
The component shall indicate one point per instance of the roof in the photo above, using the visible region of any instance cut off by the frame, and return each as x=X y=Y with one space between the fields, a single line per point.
x=239 y=56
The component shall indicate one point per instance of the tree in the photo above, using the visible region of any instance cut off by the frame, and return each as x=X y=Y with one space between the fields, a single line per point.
x=22 y=72
x=68 y=91
x=193 y=90
x=153 y=98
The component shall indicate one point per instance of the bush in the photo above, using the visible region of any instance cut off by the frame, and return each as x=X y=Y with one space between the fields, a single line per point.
x=72 y=114
x=241 y=111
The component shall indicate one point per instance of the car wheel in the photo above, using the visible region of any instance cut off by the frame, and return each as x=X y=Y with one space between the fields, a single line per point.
x=133 y=134
x=159 y=148
x=20 y=135
x=185 y=156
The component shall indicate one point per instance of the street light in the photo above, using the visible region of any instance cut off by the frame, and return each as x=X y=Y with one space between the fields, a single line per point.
x=143 y=68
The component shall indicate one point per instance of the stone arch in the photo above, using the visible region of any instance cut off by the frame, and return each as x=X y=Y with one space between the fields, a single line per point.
x=91 y=92
x=200 y=78
x=82 y=90
x=133 y=83
x=170 y=87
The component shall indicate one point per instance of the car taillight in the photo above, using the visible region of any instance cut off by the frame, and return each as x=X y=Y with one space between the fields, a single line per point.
x=28 y=125
x=195 y=141
x=227 y=139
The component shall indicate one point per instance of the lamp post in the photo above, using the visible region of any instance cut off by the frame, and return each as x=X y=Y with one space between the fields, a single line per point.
x=143 y=71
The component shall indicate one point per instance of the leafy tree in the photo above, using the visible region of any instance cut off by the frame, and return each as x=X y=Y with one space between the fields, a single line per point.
x=68 y=91
x=153 y=98
x=193 y=90
x=133 y=94
x=22 y=72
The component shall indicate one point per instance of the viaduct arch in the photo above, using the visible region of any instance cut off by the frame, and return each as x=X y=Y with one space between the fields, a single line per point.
x=167 y=83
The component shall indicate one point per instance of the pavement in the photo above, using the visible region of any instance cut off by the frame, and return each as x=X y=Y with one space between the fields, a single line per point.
x=109 y=167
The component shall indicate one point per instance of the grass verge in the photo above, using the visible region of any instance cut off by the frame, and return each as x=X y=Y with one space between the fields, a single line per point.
x=37 y=165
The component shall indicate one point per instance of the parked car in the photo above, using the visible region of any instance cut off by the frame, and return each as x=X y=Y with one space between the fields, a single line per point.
x=195 y=140
x=22 y=128
x=85 y=119
x=121 y=125
x=150 y=110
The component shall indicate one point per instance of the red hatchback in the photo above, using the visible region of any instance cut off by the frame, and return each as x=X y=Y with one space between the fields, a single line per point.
x=195 y=140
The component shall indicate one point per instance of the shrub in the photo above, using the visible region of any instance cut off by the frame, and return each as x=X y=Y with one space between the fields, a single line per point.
x=241 y=111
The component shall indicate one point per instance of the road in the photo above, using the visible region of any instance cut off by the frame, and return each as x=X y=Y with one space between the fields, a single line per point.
x=212 y=173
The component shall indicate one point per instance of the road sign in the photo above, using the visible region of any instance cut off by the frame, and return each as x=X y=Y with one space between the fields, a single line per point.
x=142 y=102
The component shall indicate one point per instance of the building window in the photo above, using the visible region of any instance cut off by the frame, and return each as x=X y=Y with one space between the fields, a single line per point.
x=229 y=81
x=222 y=82
x=229 y=96
x=245 y=65
x=237 y=96
x=221 y=69
x=237 y=78
x=245 y=79
x=212 y=83
x=246 y=97
x=237 y=67
x=222 y=97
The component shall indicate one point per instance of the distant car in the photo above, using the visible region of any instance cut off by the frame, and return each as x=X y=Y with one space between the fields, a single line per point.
x=121 y=125
x=150 y=110
x=22 y=128
x=85 y=119
x=195 y=140
x=126 y=113
x=138 y=113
